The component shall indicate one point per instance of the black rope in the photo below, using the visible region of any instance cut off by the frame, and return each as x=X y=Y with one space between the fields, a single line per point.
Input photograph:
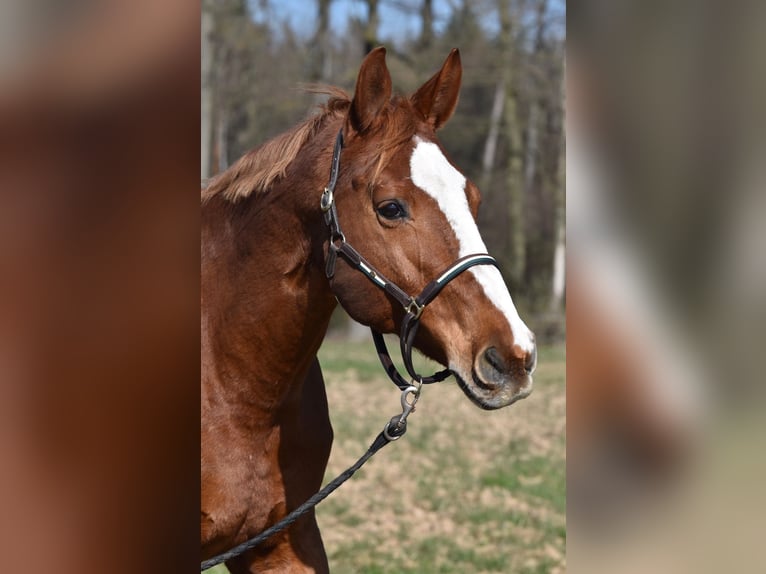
x=397 y=426
x=379 y=442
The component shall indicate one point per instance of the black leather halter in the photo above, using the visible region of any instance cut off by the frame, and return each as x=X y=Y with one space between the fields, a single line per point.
x=413 y=306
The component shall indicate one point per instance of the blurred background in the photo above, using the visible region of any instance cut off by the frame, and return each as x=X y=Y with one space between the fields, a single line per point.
x=99 y=285
x=666 y=286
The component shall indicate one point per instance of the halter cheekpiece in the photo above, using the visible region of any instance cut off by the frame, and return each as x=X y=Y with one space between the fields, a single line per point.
x=412 y=305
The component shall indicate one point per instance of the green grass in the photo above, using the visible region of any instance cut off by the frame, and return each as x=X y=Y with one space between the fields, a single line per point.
x=349 y=356
x=464 y=491
x=360 y=358
x=536 y=476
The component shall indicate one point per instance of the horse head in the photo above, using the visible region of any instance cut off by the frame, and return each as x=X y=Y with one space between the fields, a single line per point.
x=412 y=214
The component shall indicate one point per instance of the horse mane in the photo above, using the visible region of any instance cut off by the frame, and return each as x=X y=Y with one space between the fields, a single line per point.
x=259 y=168
x=255 y=171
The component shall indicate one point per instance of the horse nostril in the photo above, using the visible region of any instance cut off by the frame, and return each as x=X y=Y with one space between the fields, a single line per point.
x=530 y=362
x=493 y=357
x=494 y=367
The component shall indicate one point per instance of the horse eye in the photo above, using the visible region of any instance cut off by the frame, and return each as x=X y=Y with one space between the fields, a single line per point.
x=392 y=210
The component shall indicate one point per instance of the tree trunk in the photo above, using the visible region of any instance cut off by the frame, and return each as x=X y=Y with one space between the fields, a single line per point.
x=206 y=93
x=321 y=71
x=559 y=259
x=371 y=28
x=531 y=147
x=427 y=24
x=221 y=133
x=490 y=145
x=516 y=259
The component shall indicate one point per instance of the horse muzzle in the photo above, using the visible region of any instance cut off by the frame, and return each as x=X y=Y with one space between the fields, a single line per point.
x=498 y=379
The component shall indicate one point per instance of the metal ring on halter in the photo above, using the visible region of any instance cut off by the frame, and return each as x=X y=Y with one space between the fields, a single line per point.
x=414 y=308
x=326 y=200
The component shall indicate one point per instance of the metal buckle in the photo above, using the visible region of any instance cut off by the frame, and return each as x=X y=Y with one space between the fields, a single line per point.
x=397 y=426
x=418 y=309
x=325 y=203
x=407 y=406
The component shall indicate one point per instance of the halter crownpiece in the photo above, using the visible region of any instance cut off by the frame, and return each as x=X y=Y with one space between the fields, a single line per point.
x=412 y=305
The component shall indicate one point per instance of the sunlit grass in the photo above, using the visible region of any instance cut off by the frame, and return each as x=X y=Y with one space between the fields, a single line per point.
x=463 y=491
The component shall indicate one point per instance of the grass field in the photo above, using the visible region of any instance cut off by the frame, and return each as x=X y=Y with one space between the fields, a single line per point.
x=464 y=491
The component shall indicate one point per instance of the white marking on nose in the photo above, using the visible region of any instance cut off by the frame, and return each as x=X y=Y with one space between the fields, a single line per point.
x=435 y=175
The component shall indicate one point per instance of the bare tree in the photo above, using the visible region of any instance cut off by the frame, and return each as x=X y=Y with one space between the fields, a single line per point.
x=490 y=144
x=206 y=90
x=427 y=24
x=321 y=64
x=516 y=259
x=371 y=26
x=559 y=258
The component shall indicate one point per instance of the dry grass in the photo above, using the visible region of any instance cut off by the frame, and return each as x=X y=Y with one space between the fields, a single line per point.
x=463 y=491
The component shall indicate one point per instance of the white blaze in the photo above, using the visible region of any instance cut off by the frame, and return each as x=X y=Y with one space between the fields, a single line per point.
x=432 y=173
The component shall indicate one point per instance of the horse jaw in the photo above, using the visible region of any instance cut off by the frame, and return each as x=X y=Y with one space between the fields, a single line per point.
x=491 y=395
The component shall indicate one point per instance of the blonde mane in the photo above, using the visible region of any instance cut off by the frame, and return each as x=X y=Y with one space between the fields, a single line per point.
x=259 y=168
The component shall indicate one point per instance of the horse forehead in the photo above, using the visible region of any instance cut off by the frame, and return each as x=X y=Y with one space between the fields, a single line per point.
x=431 y=171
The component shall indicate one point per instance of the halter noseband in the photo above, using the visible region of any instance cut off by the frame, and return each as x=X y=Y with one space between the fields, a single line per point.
x=413 y=306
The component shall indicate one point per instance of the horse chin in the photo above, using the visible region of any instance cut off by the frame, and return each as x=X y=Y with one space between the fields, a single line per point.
x=492 y=396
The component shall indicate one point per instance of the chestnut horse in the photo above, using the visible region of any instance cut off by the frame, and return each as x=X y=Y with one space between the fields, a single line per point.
x=267 y=298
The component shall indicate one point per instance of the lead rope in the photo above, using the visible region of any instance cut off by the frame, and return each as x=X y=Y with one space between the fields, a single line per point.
x=394 y=430
x=413 y=306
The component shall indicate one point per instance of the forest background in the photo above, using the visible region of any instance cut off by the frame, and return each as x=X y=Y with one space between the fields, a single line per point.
x=507 y=134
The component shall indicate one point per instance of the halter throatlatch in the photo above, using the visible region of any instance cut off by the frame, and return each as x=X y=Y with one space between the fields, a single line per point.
x=412 y=305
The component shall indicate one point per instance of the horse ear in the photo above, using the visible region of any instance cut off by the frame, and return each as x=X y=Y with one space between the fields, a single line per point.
x=373 y=90
x=437 y=98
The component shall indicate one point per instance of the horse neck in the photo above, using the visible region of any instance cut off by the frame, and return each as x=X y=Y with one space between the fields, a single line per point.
x=266 y=301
